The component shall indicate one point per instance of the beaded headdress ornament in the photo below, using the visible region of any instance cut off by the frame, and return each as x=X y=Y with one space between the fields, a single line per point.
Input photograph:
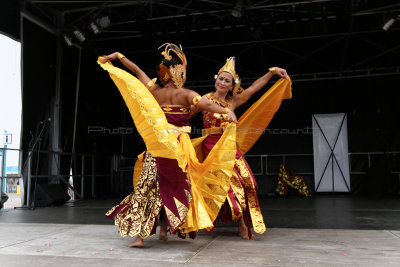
x=176 y=73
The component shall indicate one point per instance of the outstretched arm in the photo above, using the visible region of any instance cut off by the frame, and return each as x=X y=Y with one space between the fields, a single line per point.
x=204 y=104
x=141 y=75
x=239 y=100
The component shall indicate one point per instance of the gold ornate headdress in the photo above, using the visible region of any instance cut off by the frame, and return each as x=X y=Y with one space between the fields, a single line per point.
x=178 y=72
x=230 y=68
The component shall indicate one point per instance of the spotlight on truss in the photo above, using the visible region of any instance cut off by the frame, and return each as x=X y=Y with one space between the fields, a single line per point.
x=389 y=23
x=94 y=27
x=79 y=35
x=67 y=40
x=103 y=21
x=237 y=10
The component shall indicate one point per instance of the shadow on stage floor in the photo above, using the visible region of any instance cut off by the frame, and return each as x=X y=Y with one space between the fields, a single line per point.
x=318 y=212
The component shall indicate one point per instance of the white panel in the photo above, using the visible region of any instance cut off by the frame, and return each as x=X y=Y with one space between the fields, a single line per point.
x=330 y=174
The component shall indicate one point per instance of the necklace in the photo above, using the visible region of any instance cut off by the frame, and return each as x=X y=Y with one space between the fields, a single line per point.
x=224 y=103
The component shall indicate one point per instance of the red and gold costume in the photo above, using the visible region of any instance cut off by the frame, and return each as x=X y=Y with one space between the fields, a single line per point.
x=242 y=195
x=191 y=192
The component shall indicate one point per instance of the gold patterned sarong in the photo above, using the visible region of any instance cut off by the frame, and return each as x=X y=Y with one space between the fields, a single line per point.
x=138 y=213
x=245 y=191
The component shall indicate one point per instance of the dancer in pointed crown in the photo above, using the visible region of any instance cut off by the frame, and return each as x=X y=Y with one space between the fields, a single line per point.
x=242 y=202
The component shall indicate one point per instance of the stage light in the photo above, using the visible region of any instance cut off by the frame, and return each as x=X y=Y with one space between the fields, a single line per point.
x=389 y=23
x=237 y=10
x=79 y=35
x=104 y=21
x=67 y=40
x=94 y=28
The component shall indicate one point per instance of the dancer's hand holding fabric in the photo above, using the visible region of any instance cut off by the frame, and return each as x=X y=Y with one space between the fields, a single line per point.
x=110 y=57
x=281 y=72
x=232 y=117
x=140 y=74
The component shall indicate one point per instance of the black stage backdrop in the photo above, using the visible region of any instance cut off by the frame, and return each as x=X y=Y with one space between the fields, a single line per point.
x=368 y=100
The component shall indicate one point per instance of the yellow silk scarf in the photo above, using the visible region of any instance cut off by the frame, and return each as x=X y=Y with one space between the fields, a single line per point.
x=256 y=119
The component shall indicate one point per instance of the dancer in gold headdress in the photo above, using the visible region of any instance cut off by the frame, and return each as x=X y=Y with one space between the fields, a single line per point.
x=242 y=202
x=171 y=178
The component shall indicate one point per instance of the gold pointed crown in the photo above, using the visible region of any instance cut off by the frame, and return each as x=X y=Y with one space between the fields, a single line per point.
x=178 y=72
x=230 y=68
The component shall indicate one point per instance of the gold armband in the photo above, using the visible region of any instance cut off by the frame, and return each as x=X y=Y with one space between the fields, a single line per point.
x=227 y=110
x=151 y=83
x=120 y=56
x=273 y=70
x=196 y=100
x=242 y=97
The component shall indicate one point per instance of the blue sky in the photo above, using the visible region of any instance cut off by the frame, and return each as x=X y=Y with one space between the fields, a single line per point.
x=10 y=94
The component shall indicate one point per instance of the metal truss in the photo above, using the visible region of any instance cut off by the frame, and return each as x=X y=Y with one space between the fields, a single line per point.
x=315 y=76
x=205 y=17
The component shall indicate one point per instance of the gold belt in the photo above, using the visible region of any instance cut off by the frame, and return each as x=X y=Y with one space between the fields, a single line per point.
x=212 y=130
x=179 y=129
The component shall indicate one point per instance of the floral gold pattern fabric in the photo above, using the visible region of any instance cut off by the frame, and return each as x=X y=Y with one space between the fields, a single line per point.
x=138 y=213
x=245 y=191
x=286 y=178
x=238 y=199
x=250 y=189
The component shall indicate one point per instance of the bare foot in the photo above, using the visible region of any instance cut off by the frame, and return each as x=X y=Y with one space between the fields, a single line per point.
x=252 y=237
x=163 y=231
x=163 y=237
x=138 y=243
x=243 y=230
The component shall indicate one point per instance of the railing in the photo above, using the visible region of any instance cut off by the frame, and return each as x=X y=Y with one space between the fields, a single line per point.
x=11 y=188
x=262 y=168
x=264 y=161
x=83 y=159
x=77 y=157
